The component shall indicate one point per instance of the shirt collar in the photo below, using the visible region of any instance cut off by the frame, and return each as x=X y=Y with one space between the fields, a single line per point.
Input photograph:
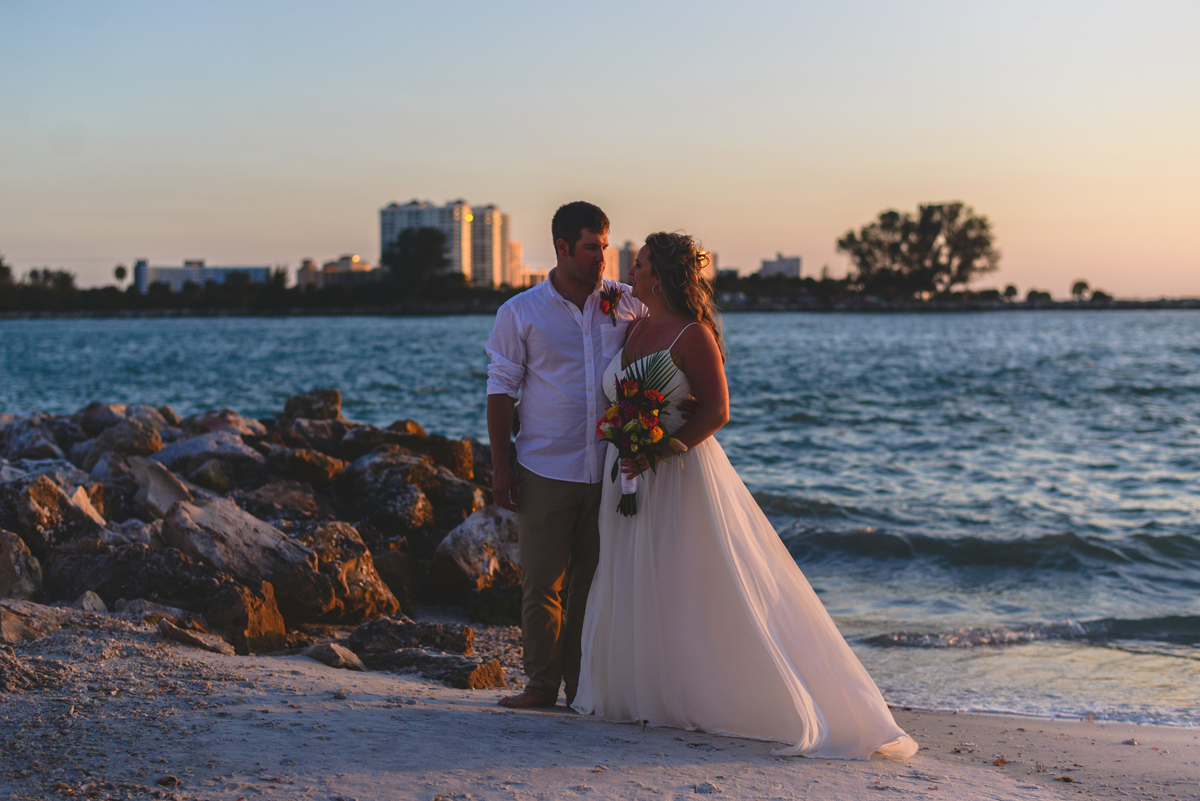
x=600 y=287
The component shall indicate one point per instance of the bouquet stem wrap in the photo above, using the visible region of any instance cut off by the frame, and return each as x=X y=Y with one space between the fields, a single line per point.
x=628 y=503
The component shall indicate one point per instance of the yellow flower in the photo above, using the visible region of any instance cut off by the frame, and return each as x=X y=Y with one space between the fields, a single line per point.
x=656 y=434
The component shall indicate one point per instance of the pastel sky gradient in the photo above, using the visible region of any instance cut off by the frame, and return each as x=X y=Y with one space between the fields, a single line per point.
x=264 y=133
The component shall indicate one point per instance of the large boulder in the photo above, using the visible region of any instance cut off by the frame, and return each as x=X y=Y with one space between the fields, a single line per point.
x=246 y=612
x=151 y=416
x=158 y=487
x=453 y=499
x=30 y=439
x=224 y=420
x=317 y=404
x=452 y=454
x=285 y=500
x=241 y=464
x=390 y=508
x=360 y=593
x=217 y=533
x=306 y=464
x=126 y=438
x=66 y=432
x=97 y=416
x=324 y=435
x=479 y=554
x=46 y=516
x=20 y=572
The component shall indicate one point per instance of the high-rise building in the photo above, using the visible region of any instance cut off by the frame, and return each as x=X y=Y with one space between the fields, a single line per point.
x=453 y=219
x=487 y=246
x=628 y=255
x=514 y=268
x=788 y=266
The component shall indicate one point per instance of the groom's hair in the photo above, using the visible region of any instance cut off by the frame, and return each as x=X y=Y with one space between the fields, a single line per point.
x=570 y=220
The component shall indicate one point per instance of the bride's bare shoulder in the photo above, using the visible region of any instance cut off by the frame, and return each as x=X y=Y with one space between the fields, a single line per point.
x=697 y=345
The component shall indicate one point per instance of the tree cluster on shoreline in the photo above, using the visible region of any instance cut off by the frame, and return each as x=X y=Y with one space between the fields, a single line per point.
x=925 y=259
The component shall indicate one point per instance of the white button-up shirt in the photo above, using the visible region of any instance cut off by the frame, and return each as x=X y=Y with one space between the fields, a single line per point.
x=551 y=356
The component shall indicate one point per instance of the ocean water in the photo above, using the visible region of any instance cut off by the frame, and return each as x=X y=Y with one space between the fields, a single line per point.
x=1001 y=511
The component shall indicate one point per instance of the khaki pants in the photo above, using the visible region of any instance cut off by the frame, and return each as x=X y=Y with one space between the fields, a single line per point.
x=559 y=538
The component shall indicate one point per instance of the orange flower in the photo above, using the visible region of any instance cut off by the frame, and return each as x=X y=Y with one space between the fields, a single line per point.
x=654 y=396
x=630 y=387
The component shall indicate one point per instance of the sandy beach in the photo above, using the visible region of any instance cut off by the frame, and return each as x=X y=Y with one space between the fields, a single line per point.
x=139 y=716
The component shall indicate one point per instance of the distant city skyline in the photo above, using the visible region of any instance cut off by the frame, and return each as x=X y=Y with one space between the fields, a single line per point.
x=270 y=132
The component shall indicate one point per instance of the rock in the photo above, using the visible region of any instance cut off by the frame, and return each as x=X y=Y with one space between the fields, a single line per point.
x=705 y=788
x=360 y=593
x=465 y=673
x=20 y=571
x=10 y=472
x=317 y=404
x=152 y=417
x=16 y=675
x=480 y=553
x=169 y=415
x=324 y=435
x=195 y=639
x=158 y=487
x=388 y=634
x=224 y=420
x=335 y=656
x=63 y=473
x=111 y=465
x=285 y=500
x=241 y=464
x=114 y=498
x=481 y=457
x=47 y=517
x=308 y=465
x=248 y=615
x=23 y=621
x=90 y=602
x=126 y=438
x=403 y=575
x=455 y=455
x=408 y=427
x=398 y=510
x=84 y=501
x=96 y=416
x=28 y=439
x=217 y=533
x=141 y=609
x=211 y=476
x=65 y=431
x=453 y=498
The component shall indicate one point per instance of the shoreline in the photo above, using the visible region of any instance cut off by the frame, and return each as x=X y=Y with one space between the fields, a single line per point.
x=140 y=716
x=765 y=305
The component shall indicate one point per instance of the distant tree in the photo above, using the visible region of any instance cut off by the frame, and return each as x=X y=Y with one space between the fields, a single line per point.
x=119 y=272
x=1037 y=296
x=5 y=272
x=1010 y=292
x=1101 y=296
x=1079 y=290
x=416 y=257
x=900 y=255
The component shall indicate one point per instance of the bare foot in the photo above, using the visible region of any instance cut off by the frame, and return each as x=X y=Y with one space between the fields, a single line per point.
x=527 y=700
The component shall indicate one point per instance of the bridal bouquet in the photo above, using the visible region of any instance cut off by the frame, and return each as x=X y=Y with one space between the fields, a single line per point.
x=634 y=425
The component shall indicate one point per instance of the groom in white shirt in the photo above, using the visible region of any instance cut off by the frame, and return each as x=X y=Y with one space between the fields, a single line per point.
x=549 y=349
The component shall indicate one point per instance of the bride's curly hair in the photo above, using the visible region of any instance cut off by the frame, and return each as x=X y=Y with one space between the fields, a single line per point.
x=679 y=263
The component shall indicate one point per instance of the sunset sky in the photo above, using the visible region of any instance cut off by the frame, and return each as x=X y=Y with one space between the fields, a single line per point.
x=265 y=133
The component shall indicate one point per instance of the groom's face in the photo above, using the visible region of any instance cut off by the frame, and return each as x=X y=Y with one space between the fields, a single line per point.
x=586 y=264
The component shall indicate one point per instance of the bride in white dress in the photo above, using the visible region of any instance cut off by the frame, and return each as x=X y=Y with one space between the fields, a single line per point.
x=698 y=617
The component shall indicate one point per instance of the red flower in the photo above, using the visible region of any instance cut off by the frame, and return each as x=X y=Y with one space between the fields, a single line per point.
x=604 y=306
x=630 y=387
x=654 y=396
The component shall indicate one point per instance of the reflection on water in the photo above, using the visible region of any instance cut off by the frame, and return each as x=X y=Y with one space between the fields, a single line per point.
x=930 y=473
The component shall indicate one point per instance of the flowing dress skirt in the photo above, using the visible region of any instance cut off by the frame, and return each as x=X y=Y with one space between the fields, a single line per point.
x=700 y=619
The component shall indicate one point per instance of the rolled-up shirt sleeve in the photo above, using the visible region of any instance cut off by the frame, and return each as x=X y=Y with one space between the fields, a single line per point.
x=506 y=349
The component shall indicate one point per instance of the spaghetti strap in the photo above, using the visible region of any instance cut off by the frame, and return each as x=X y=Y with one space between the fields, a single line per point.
x=686 y=327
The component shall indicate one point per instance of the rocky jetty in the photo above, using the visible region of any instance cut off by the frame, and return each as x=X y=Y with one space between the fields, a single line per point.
x=305 y=533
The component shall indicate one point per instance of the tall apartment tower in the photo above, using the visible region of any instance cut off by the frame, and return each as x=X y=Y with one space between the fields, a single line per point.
x=514 y=274
x=627 y=256
x=453 y=219
x=489 y=246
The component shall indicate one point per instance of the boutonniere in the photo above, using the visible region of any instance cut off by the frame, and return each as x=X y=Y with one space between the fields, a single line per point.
x=609 y=298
